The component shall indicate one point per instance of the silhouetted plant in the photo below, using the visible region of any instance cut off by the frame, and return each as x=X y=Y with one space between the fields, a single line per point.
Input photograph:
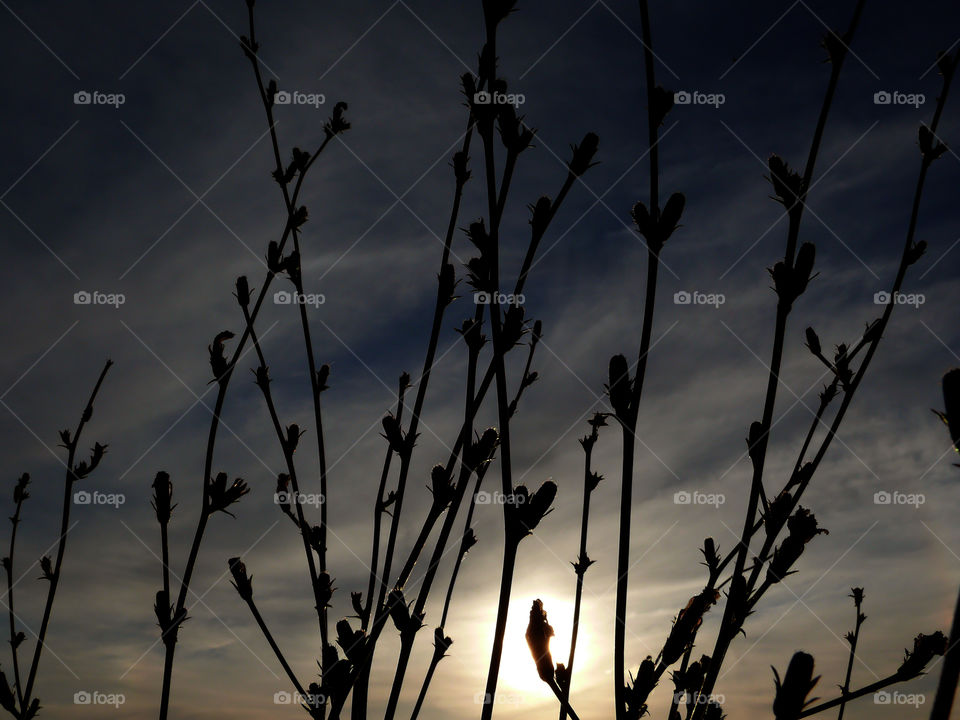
x=947 y=687
x=347 y=652
x=21 y=701
x=791 y=276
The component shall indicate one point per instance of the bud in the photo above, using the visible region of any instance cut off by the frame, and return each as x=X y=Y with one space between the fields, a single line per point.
x=541 y=213
x=670 y=216
x=337 y=122
x=241 y=581
x=640 y=688
x=441 y=487
x=394 y=434
x=162 y=496
x=792 y=693
x=813 y=342
x=538 y=637
x=925 y=647
x=323 y=374
x=583 y=154
x=243 y=291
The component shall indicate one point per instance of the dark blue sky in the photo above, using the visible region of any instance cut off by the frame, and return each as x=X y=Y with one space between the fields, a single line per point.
x=167 y=198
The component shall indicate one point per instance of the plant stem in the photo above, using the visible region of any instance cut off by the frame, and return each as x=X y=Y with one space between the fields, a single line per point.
x=872 y=688
x=630 y=423
x=69 y=480
x=9 y=568
x=845 y=688
x=580 y=566
x=727 y=632
x=947 y=686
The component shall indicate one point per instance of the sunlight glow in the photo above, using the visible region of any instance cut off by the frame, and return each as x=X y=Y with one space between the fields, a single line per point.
x=518 y=673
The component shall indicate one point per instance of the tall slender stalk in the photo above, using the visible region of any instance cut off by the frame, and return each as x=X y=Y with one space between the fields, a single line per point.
x=74 y=471
x=852 y=638
x=583 y=563
x=760 y=438
x=628 y=417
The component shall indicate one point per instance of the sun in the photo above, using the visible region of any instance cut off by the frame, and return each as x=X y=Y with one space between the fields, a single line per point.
x=518 y=674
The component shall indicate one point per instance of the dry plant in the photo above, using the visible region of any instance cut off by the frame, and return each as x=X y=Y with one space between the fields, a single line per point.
x=495 y=328
x=21 y=700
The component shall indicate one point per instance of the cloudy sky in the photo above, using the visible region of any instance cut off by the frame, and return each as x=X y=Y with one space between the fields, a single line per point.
x=165 y=198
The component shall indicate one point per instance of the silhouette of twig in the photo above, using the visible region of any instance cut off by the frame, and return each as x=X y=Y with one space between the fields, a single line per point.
x=24 y=705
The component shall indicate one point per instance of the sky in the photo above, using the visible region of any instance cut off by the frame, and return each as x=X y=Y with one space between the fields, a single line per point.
x=156 y=195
